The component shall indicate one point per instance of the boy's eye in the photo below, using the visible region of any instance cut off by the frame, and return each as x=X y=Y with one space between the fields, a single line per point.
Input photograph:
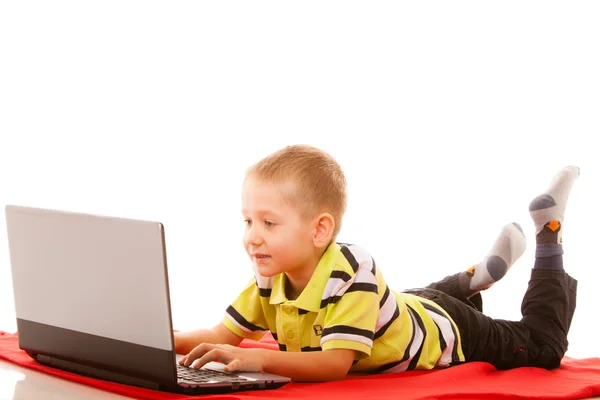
x=248 y=221
x=269 y=223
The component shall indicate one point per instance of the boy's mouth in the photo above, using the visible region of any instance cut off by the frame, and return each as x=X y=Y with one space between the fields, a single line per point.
x=261 y=256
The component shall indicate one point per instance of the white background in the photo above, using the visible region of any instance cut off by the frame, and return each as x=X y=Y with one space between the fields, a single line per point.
x=447 y=117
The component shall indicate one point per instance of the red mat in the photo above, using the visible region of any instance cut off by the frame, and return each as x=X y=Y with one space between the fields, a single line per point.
x=575 y=379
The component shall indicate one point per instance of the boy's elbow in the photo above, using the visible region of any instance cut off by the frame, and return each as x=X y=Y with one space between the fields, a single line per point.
x=339 y=375
x=340 y=362
x=336 y=373
x=324 y=375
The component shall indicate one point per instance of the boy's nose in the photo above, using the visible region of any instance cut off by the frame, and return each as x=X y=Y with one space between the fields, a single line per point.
x=253 y=236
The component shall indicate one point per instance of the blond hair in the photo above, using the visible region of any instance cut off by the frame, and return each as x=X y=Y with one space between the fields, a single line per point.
x=319 y=179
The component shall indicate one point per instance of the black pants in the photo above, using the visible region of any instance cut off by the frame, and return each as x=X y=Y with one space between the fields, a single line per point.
x=539 y=339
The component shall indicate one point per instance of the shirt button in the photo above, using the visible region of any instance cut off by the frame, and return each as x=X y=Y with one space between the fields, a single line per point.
x=289 y=334
x=288 y=311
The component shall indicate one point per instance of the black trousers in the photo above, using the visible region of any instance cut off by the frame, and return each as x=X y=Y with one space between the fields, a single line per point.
x=539 y=339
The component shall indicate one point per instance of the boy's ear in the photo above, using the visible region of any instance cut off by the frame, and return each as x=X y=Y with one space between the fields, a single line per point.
x=325 y=224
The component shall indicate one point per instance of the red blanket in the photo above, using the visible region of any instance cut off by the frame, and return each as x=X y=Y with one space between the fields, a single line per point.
x=575 y=379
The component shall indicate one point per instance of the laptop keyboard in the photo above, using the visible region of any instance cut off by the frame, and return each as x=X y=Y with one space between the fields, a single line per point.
x=207 y=375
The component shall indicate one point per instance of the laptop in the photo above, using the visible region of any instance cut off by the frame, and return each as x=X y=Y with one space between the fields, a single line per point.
x=92 y=297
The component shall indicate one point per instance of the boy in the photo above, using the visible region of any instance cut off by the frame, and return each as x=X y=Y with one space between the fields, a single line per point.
x=331 y=311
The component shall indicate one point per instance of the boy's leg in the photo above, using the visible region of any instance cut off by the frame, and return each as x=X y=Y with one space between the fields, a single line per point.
x=540 y=338
x=466 y=285
x=549 y=303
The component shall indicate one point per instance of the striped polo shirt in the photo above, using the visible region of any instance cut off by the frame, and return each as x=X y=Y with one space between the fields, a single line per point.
x=348 y=305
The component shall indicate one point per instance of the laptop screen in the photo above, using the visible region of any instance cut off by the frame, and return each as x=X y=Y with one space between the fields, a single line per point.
x=86 y=286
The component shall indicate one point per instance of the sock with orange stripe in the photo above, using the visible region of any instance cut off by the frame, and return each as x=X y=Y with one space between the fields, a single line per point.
x=508 y=247
x=547 y=211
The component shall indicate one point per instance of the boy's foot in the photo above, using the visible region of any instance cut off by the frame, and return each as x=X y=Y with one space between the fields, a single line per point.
x=508 y=247
x=548 y=210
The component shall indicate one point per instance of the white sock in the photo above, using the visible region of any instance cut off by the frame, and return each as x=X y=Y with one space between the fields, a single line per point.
x=548 y=209
x=508 y=247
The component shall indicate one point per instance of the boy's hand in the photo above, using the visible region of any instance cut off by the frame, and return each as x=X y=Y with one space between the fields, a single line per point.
x=234 y=358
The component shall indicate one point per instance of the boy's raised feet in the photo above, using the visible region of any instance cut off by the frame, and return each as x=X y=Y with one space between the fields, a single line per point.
x=508 y=247
x=548 y=212
x=548 y=209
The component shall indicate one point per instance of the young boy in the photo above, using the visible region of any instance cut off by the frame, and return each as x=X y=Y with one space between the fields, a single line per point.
x=331 y=311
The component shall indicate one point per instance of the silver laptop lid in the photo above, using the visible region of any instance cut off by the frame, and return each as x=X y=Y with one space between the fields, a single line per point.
x=91 y=296
x=81 y=272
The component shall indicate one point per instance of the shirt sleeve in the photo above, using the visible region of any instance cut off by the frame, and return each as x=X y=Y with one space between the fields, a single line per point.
x=245 y=316
x=352 y=313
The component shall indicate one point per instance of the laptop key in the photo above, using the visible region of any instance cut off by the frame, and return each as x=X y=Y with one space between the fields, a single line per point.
x=206 y=375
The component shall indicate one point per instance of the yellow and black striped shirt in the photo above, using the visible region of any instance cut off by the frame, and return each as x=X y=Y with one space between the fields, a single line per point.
x=348 y=305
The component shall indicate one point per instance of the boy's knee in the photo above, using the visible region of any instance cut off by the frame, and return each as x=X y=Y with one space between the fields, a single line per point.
x=548 y=358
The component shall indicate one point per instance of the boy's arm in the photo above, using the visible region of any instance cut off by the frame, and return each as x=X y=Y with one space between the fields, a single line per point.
x=317 y=366
x=187 y=341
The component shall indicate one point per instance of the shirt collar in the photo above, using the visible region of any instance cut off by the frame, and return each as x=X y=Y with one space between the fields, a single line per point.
x=310 y=298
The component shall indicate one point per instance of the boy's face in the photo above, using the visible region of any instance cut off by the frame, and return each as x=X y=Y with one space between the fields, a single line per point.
x=277 y=237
